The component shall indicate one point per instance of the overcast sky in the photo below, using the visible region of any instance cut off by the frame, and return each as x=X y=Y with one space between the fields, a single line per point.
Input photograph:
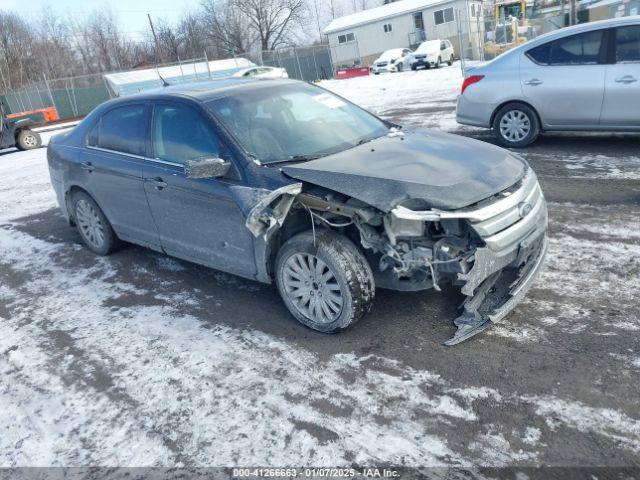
x=131 y=13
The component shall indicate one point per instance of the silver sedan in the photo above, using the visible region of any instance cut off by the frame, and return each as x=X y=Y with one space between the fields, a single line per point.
x=582 y=78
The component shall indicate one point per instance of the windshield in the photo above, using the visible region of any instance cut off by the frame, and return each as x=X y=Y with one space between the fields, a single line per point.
x=276 y=123
x=430 y=46
x=391 y=54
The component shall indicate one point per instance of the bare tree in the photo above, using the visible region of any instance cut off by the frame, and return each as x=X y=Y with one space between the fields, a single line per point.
x=226 y=27
x=272 y=20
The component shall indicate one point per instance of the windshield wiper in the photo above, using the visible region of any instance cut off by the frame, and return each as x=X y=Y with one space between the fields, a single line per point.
x=296 y=159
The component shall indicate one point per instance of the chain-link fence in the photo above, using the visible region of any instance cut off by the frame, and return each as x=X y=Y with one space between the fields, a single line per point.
x=303 y=63
x=484 y=38
x=76 y=96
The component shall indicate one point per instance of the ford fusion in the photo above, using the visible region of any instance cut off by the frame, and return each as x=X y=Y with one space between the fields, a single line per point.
x=282 y=181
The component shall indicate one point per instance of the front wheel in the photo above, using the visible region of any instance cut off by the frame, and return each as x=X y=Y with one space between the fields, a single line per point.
x=399 y=67
x=516 y=125
x=439 y=62
x=28 y=140
x=326 y=284
x=450 y=62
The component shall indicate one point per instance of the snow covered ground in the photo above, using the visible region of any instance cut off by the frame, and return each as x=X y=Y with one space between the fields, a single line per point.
x=423 y=97
x=140 y=360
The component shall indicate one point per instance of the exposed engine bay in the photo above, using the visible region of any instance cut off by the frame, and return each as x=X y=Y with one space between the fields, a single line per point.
x=492 y=250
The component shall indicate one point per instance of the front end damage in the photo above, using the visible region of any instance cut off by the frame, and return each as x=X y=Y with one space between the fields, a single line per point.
x=492 y=250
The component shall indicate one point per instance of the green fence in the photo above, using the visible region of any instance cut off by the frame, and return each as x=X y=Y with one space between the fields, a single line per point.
x=72 y=97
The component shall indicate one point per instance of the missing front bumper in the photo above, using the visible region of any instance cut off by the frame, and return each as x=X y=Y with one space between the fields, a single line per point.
x=502 y=287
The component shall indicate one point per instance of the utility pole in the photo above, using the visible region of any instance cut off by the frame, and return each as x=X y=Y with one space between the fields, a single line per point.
x=153 y=31
x=315 y=4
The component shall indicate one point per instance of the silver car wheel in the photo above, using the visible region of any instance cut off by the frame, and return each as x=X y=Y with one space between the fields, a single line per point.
x=90 y=224
x=515 y=125
x=30 y=140
x=312 y=288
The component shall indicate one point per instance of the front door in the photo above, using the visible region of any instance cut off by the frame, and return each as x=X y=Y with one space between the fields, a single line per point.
x=621 y=107
x=198 y=219
x=564 y=80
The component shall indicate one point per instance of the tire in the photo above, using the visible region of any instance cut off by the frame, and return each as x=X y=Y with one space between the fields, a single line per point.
x=439 y=62
x=450 y=62
x=344 y=273
x=94 y=228
x=28 y=140
x=414 y=67
x=516 y=125
x=400 y=67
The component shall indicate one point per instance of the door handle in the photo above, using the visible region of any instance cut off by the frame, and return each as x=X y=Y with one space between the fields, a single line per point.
x=158 y=183
x=88 y=166
x=626 y=79
x=533 y=82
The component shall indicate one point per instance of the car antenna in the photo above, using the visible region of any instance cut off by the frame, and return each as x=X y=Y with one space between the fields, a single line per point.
x=164 y=82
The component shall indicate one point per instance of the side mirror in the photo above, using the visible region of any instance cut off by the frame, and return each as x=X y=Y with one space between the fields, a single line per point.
x=206 y=168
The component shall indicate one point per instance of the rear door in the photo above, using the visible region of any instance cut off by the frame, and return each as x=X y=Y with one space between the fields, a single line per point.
x=198 y=219
x=110 y=168
x=621 y=107
x=564 y=80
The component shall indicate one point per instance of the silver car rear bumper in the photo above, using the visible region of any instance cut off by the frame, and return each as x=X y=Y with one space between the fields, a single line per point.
x=472 y=113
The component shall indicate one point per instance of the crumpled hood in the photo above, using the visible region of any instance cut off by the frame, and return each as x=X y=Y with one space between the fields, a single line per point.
x=446 y=171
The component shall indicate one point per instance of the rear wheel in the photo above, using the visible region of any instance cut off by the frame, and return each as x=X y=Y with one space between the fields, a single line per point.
x=28 y=140
x=94 y=228
x=516 y=125
x=326 y=284
x=414 y=67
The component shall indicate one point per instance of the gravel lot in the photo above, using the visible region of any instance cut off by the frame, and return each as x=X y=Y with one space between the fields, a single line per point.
x=139 y=359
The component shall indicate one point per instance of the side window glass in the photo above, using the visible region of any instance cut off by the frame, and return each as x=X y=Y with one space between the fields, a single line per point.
x=628 y=44
x=181 y=133
x=123 y=130
x=92 y=136
x=582 y=49
x=540 y=54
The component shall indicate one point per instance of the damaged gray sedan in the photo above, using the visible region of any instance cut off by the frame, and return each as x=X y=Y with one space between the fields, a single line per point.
x=278 y=180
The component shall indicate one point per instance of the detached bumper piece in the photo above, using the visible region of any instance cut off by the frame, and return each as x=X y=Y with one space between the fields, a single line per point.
x=502 y=288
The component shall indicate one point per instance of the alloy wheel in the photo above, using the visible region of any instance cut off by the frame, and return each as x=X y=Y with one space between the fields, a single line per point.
x=30 y=140
x=312 y=288
x=515 y=125
x=90 y=224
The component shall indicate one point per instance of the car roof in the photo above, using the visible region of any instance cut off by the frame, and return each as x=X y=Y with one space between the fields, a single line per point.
x=568 y=31
x=205 y=90
x=586 y=27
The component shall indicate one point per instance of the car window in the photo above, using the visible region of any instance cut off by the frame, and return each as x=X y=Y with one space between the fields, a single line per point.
x=628 y=44
x=180 y=133
x=92 y=136
x=581 y=49
x=123 y=130
x=282 y=122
